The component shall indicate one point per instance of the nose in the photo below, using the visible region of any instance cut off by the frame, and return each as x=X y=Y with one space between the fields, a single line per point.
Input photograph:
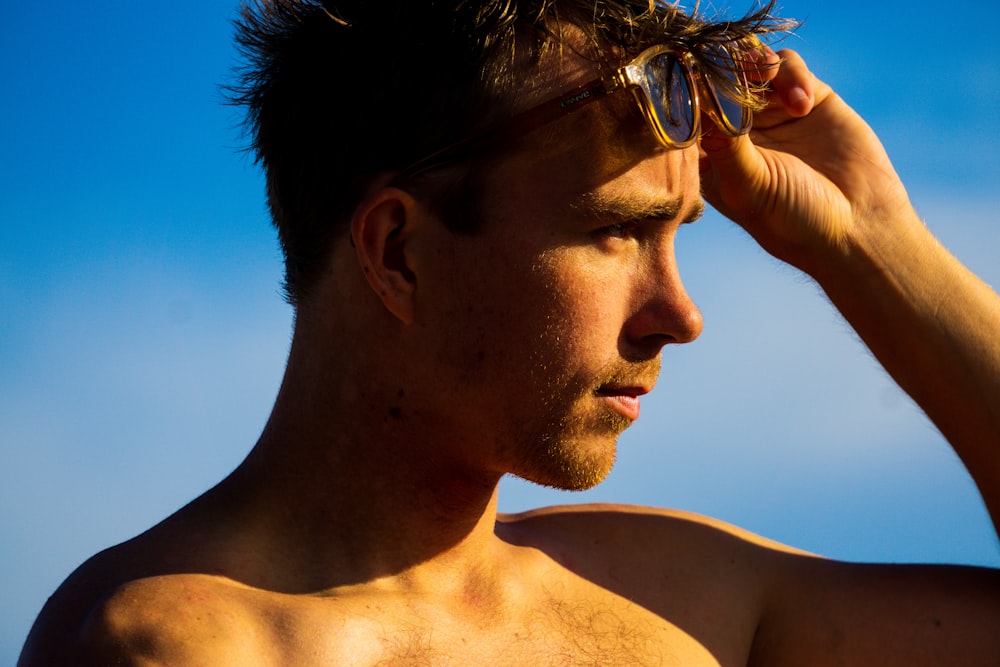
x=662 y=311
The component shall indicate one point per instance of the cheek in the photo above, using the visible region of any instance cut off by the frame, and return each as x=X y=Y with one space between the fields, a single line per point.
x=503 y=306
x=585 y=303
x=482 y=304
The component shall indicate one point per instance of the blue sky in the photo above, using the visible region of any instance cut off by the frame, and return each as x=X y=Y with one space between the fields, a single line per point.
x=143 y=336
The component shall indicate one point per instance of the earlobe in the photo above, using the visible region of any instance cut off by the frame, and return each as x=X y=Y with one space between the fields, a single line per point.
x=380 y=229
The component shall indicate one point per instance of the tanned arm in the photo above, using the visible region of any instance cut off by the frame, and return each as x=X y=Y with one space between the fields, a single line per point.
x=814 y=187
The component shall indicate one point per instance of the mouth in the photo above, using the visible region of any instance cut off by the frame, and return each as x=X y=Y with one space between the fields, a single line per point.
x=624 y=400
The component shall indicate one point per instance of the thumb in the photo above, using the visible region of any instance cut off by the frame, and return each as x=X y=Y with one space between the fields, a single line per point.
x=733 y=174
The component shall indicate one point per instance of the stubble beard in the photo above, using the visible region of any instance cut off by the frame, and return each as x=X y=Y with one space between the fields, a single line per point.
x=572 y=458
x=574 y=446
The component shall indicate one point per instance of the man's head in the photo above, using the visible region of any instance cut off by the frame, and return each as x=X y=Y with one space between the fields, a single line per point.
x=523 y=347
x=339 y=92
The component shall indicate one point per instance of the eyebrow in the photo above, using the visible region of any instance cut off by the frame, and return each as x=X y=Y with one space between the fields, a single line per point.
x=633 y=210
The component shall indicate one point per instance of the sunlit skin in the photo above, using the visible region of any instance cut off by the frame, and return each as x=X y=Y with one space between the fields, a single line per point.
x=572 y=296
x=363 y=527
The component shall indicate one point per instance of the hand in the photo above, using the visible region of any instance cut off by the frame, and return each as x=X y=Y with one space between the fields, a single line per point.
x=809 y=176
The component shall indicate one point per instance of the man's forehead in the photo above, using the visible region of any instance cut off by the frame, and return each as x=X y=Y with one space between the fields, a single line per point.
x=567 y=65
x=613 y=167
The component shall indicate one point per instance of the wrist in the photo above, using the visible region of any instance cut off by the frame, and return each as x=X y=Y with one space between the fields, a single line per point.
x=887 y=243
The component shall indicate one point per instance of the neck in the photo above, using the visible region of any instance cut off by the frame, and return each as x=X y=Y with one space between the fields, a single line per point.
x=355 y=487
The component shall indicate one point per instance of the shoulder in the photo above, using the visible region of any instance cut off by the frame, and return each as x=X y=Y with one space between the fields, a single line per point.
x=645 y=552
x=634 y=528
x=790 y=607
x=96 y=618
x=703 y=575
x=176 y=619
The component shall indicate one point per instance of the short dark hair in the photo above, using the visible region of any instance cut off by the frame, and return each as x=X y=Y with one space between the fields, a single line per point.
x=339 y=91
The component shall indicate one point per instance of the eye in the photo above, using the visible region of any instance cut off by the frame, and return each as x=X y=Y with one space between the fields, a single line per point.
x=621 y=230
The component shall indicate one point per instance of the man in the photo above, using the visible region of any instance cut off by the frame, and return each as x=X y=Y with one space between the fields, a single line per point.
x=477 y=203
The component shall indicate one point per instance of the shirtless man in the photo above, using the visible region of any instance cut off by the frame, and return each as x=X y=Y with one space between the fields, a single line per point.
x=499 y=307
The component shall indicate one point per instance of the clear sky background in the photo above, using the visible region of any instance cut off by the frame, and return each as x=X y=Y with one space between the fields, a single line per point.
x=143 y=335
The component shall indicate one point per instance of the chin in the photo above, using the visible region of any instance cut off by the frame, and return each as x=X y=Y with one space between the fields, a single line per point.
x=571 y=480
x=572 y=465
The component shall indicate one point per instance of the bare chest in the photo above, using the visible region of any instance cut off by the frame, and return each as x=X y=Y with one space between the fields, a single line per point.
x=565 y=632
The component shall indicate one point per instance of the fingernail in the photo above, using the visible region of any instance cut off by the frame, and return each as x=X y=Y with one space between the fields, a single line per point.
x=797 y=96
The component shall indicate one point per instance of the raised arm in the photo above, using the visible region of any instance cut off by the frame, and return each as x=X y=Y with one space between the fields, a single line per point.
x=813 y=185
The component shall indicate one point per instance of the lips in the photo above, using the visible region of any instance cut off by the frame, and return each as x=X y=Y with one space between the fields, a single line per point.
x=624 y=400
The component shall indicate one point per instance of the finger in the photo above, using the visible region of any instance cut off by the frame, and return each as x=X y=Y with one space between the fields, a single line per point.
x=794 y=84
x=761 y=64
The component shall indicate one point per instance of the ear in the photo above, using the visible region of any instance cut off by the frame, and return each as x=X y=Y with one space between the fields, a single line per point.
x=380 y=229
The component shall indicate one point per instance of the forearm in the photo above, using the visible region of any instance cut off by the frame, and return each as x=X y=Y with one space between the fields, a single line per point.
x=933 y=325
x=815 y=188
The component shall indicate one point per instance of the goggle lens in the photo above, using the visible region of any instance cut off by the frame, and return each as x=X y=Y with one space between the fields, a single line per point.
x=669 y=89
x=672 y=106
x=726 y=88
